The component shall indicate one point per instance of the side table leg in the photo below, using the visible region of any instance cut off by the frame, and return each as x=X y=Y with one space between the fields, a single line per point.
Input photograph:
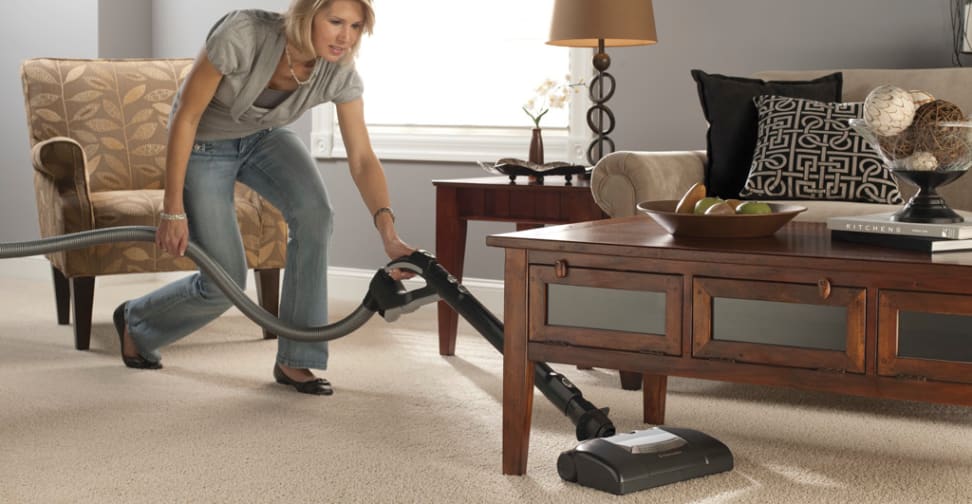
x=450 y=250
x=630 y=380
x=655 y=389
x=517 y=368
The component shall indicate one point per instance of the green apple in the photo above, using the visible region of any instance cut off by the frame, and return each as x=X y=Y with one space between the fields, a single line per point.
x=754 y=208
x=705 y=203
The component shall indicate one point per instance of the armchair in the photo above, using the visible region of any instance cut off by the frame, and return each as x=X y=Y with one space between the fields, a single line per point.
x=98 y=136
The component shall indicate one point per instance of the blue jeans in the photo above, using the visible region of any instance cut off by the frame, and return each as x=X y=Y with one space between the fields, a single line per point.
x=277 y=165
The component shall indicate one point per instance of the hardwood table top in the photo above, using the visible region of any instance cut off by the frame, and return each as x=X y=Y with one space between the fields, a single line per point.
x=640 y=236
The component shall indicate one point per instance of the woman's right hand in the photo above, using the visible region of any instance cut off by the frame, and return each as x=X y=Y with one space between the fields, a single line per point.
x=172 y=236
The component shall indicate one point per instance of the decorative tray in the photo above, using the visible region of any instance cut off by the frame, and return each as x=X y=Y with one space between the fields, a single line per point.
x=516 y=167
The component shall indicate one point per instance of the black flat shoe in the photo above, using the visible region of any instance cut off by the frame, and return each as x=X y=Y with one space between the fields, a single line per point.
x=317 y=386
x=137 y=362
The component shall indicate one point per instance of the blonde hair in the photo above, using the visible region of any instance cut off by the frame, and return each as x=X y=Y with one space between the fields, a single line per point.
x=299 y=22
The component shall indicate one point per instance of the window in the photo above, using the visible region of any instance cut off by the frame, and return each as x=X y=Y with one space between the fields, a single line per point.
x=445 y=80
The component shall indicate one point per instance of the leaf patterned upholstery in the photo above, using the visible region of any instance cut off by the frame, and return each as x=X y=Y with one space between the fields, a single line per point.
x=98 y=132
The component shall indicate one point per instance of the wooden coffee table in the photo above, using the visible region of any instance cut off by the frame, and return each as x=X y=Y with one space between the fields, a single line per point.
x=793 y=310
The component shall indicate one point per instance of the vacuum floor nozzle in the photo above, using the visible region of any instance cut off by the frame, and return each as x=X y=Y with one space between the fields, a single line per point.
x=643 y=459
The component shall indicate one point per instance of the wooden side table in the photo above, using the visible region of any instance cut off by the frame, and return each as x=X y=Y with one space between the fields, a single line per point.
x=528 y=205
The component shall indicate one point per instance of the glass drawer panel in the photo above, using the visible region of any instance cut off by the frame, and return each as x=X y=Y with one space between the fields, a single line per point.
x=935 y=336
x=596 y=308
x=604 y=308
x=776 y=323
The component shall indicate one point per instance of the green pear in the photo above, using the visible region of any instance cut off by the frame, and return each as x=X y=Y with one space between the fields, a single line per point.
x=705 y=203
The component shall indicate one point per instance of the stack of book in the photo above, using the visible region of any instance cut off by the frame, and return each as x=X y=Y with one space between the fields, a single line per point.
x=879 y=229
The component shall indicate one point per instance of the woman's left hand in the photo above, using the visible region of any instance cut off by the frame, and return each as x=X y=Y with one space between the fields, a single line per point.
x=396 y=248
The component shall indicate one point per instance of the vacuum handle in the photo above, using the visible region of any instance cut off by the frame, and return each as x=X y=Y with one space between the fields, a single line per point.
x=391 y=299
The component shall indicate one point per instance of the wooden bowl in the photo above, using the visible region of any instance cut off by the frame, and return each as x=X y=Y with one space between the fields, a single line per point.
x=719 y=226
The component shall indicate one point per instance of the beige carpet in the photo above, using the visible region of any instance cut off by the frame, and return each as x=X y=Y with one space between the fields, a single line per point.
x=406 y=425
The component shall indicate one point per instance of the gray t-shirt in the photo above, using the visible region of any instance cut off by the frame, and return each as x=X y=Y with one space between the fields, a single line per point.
x=245 y=46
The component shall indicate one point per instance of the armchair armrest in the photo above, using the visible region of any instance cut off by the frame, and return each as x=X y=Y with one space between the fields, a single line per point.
x=61 y=181
x=621 y=180
x=60 y=158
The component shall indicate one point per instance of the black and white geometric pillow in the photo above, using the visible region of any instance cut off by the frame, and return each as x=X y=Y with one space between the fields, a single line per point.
x=806 y=150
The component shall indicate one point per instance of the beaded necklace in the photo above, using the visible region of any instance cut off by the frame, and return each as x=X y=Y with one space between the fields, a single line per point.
x=290 y=65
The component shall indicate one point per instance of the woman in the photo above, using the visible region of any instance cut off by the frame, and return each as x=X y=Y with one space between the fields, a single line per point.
x=258 y=71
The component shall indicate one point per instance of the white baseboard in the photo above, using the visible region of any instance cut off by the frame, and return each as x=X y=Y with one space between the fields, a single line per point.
x=345 y=284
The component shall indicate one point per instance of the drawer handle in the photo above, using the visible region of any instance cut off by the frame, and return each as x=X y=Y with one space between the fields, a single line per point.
x=560 y=268
x=824 y=285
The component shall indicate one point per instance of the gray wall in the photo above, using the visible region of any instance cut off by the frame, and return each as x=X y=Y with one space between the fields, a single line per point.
x=30 y=28
x=656 y=102
x=124 y=28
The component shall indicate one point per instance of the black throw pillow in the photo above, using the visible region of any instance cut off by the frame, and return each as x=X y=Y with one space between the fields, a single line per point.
x=727 y=103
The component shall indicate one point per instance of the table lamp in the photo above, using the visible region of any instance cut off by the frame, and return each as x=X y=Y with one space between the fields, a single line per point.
x=600 y=24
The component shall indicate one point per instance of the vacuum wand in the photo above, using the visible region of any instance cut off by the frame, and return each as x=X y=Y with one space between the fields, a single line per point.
x=386 y=296
x=591 y=422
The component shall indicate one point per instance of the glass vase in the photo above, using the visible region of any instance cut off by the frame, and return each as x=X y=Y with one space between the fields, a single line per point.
x=926 y=156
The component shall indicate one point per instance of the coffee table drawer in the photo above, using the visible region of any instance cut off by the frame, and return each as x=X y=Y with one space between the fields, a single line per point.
x=818 y=325
x=638 y=312
x=925 y=336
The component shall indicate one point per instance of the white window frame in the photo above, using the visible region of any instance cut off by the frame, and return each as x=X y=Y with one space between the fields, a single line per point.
x=467 y=143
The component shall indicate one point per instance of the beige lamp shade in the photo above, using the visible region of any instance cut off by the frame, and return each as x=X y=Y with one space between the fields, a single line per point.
x=580 y=23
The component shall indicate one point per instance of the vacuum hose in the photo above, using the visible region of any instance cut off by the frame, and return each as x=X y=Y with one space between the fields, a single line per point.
x=223 y=280
x=385 y=296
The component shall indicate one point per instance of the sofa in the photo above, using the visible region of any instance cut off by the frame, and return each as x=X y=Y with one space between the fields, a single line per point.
x=621 y=180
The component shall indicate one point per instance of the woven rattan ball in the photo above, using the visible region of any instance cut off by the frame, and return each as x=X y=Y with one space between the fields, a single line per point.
x=947 y=144
x=898 y=146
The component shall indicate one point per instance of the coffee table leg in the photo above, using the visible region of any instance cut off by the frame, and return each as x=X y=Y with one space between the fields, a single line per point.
x=517 y=368
x=655 y=389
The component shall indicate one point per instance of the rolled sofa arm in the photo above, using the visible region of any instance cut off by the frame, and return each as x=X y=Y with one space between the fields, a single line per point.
x=621 y=180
